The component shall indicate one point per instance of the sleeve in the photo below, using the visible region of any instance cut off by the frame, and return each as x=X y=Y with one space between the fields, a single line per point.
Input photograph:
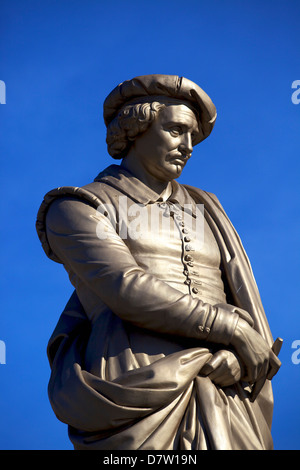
x=75 y=232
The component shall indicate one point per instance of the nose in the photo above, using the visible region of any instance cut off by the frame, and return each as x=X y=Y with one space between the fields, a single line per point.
x=186 y=146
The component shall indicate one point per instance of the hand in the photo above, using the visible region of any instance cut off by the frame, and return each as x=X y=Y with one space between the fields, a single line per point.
x=223 y=368
x=256 y=355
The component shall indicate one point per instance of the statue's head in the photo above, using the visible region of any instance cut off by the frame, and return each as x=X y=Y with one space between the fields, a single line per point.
x=134 y=105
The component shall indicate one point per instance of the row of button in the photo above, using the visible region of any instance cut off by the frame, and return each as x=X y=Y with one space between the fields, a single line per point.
x=173 y=211
x=189 y=259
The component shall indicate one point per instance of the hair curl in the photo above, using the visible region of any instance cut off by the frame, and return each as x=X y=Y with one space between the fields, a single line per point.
x=132 y=120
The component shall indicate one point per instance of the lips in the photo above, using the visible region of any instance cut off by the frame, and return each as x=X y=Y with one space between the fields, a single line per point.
x=176 y=156
x=178 y=161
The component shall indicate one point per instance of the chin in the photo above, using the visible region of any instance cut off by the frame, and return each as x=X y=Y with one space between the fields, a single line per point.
x=171 y=175
x=177 y=170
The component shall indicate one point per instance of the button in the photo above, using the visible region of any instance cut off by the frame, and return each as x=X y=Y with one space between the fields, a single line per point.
x=185 y=272
x=181 y=223
x=195 y=290
x=187 y=239
x=190 y=264
x=188 y=258
x=185 y=230
x=201 y=328
x=189 y=248
x=207 y=329
x=187 y=281
x=174 y=207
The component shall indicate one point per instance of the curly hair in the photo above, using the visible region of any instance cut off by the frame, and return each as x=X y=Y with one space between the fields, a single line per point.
x=132 y=120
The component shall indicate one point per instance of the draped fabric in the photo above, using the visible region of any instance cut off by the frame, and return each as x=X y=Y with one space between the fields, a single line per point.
x=148 y=391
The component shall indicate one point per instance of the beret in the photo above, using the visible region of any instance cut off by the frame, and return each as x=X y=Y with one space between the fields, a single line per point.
x=162 y=85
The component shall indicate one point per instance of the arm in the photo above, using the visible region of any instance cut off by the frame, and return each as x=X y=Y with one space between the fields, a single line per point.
x=107 y=267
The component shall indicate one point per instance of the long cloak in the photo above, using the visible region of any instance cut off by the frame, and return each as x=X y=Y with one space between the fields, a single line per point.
x=165 y=404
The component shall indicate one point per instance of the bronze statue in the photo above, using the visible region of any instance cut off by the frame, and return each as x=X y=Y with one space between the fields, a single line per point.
x=164 y=343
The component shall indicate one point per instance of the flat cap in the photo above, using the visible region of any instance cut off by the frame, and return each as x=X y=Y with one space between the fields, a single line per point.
x=162 y=85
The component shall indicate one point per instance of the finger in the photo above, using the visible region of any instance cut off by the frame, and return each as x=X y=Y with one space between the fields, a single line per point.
x=257 y=388
x=214 y=362
x=227 y=382
x=217 y=374
x=224 y=379
x=224 y=375
x=255 y=373
x=206 y=369
x=251 y=374
x=224 y=370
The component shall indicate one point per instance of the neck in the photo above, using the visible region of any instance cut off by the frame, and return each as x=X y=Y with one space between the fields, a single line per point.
x=131 y=164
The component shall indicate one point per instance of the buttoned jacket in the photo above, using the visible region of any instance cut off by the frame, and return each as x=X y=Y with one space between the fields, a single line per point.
x=134 y=316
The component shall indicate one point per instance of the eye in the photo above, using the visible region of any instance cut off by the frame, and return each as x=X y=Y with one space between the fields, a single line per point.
x=175 y=131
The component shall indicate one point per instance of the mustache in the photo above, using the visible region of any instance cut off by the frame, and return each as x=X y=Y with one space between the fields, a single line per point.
x=179 y=156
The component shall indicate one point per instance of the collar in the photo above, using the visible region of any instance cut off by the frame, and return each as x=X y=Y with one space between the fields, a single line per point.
x=127 y=183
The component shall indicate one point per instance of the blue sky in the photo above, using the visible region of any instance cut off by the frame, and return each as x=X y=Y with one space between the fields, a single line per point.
x=59 y=60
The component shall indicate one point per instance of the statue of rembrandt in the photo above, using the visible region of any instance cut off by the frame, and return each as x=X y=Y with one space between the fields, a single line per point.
x=164 y=343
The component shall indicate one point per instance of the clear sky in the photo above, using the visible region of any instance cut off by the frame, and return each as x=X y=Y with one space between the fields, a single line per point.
x=58 y=61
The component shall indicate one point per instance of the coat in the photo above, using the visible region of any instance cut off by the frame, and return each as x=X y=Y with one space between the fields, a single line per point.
x=127 y=352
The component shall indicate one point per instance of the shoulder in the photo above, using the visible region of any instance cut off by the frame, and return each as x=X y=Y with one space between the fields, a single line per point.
x=200 y=193
x=60 y=209
x=65 y=212
x=58 y=199
x=210 y=200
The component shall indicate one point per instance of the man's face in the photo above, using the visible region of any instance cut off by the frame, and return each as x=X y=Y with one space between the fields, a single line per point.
x=164 y=148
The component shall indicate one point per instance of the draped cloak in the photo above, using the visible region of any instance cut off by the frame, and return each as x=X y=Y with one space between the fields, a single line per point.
x=121 y=385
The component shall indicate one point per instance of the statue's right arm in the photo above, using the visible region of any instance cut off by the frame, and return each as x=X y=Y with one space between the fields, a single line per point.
x=108 y=269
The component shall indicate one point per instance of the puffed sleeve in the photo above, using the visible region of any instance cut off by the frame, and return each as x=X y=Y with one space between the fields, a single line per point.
x=104 y=263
